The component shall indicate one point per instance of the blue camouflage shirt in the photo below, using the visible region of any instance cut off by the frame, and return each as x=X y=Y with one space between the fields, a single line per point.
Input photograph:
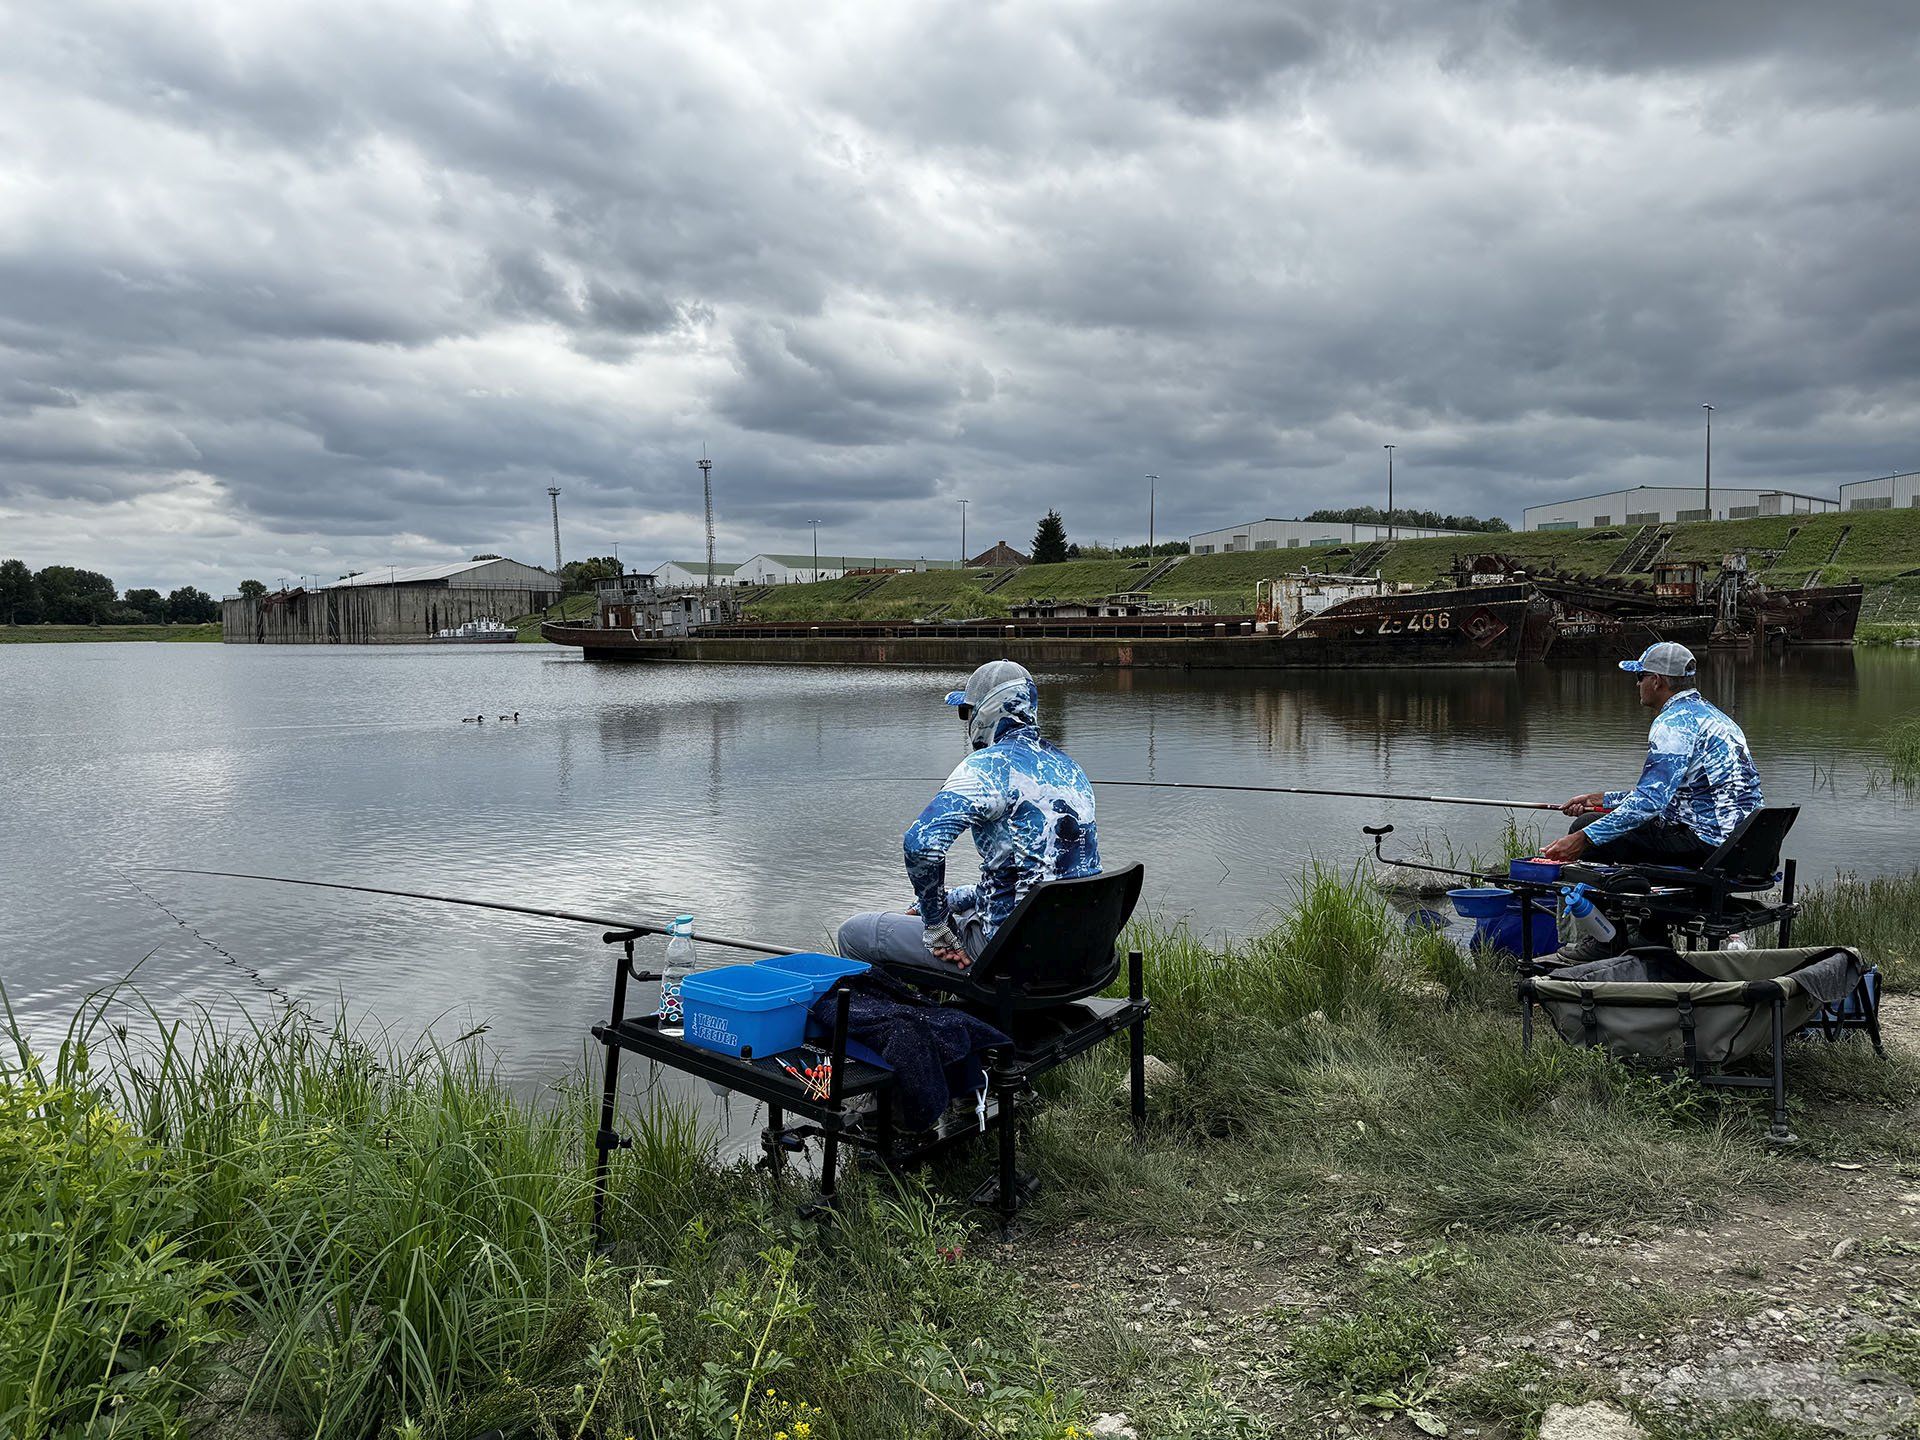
x=1030 y=808
x=1699 y=773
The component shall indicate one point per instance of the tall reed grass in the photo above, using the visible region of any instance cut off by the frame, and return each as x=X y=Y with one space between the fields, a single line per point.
x=207 y=1220
x=208 y=1223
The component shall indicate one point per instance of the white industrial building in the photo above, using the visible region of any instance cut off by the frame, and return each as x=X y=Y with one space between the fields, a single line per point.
x=493 y=574
x=1889 y=492
x=1669 y=505
x=675 y=573
x=1294 y=534
x=771 y=569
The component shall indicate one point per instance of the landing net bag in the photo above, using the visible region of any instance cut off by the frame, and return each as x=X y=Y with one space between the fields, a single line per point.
x=1702 y=1010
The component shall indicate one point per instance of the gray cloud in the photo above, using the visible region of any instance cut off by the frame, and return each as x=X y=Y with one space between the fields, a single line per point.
x=309 y=288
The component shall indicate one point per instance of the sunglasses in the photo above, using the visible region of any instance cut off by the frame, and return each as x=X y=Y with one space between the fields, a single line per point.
x=966 y=713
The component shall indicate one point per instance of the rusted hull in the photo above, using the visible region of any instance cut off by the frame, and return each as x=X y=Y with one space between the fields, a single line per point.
x=1487 y=626
x=1825 y=615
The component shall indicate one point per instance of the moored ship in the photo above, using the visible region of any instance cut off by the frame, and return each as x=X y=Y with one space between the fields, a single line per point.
x=1375 y=624
x=476 y=632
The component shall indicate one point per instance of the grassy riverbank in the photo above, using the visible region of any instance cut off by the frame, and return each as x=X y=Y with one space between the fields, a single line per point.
x=1877 y=548
x=1359 y=1204
x=69 y=634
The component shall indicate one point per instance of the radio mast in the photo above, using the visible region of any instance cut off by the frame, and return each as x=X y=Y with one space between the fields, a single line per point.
x=706 y=483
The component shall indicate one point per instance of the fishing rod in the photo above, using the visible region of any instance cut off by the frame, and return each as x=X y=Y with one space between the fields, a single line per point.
x=1249 y=789
x=637 y=927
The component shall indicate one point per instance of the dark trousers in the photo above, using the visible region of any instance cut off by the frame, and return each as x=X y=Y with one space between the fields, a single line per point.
x=1658 y=842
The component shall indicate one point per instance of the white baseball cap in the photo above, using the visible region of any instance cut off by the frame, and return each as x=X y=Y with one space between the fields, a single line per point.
x=1667 y=658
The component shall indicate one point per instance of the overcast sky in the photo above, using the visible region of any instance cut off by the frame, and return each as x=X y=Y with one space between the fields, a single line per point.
x=294 y=288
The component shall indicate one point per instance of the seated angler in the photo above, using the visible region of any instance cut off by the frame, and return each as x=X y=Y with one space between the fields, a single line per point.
x=1698 y=783
x=1030 y=809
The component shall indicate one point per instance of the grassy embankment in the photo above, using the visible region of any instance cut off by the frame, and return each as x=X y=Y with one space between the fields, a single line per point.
x=67 y=634
x=573 y=607
x=1880 y=548
x=339 y=1239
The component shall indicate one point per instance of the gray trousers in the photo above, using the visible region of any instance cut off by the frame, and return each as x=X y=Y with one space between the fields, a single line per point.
x=878 y=936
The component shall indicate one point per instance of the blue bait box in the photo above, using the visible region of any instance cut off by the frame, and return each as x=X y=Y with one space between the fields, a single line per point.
x=821 y=971
x=1540 y=871
x=1480 y=904
x=737 y=1009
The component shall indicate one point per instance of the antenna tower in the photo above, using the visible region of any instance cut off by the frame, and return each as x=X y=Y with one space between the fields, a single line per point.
x=553 y=494
x=706 y=483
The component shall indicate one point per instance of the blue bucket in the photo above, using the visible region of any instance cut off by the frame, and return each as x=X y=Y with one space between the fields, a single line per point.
x=739 y=1009
x=1480 y=904
x=819 y=970
x=1501 y=931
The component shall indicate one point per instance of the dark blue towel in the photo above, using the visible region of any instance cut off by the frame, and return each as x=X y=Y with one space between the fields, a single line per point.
x=933 y=1050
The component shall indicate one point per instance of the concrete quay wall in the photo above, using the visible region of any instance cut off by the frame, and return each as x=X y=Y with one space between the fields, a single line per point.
x=368 y=614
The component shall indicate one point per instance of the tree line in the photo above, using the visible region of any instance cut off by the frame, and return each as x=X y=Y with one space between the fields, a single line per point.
x=68 y=595
x=1428 y=519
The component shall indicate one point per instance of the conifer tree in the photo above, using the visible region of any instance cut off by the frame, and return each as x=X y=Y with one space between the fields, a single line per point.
x=1050 y=540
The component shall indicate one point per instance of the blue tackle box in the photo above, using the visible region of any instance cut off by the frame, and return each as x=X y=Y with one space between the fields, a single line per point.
x=745 y=1009
x=821 y=971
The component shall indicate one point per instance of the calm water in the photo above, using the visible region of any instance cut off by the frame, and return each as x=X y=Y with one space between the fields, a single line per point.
x=734 y=793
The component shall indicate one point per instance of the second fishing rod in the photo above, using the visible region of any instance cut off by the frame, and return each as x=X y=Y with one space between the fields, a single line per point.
x=1246 y=789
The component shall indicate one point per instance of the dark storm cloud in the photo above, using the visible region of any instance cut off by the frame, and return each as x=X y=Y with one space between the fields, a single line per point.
x=303 y=288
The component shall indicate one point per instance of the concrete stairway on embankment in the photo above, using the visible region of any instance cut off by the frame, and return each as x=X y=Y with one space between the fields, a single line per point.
x=1832 y=555
x=1002 y=578
x=1641 y=551
x=1159 y=572
x=867 y=589
x=1624 y=561
x=1368 y=560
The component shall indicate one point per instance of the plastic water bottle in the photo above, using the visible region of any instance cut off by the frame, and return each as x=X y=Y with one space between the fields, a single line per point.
x=1586 y=917
x=680 y=964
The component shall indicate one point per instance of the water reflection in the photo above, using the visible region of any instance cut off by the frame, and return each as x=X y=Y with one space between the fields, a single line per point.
x=732 y=793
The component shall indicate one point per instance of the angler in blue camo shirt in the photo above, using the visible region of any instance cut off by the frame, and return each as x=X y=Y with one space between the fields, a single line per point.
x=1698 y=783
x=1030 y=809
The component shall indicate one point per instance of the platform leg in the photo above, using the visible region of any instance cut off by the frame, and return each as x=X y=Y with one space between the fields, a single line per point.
x=770 y=1142
x=1778 y=1133
x=1137 y=1043
x=1870 y=1011
x=830 y=1140
x=1787 y=877
x=607 y=1138
x=1009 y=1198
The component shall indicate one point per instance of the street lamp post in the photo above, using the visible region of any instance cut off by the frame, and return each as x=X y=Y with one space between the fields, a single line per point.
x=963 y=533
x=1152 y=481
x=816 y=550
x=1389 y=449
x=1709 y=410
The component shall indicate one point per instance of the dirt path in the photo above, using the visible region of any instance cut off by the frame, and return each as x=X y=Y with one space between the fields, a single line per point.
x=1808 y=1305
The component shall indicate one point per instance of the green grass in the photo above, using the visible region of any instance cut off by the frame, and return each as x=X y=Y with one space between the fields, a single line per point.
x=348 y=1239
x=1879 y=915
x=1075 y=579
x=573 y=607
x=367 y=1242
x=1881 y=547
x=68 y=634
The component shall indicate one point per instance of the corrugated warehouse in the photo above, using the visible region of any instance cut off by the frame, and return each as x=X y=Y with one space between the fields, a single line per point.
x=394 y=605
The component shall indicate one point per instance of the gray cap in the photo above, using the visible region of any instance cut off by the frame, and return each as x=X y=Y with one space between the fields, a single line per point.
x=1667 y=658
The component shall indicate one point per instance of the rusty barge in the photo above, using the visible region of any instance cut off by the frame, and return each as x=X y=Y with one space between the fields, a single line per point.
x=1492 y=615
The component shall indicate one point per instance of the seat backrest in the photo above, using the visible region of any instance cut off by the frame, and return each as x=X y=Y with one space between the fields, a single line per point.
x=1751 y=850
x=1059 y=942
